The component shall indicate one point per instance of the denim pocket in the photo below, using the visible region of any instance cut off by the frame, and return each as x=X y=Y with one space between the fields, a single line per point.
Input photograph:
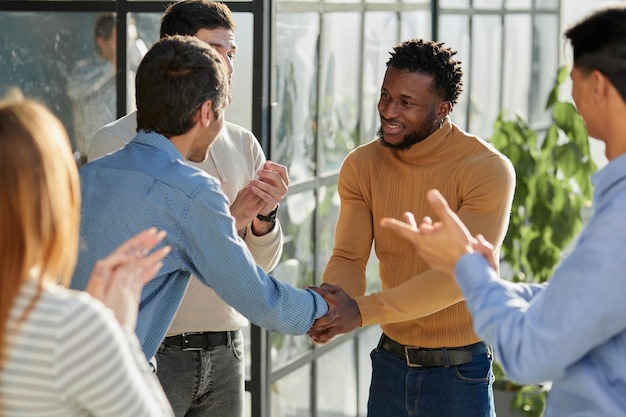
x=479 y=370
x=237 y=346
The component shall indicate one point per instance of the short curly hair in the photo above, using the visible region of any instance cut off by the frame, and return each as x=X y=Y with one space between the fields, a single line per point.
x=430 y=58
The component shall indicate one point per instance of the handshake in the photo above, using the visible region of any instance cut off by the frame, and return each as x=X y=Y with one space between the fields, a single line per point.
x=343 y=314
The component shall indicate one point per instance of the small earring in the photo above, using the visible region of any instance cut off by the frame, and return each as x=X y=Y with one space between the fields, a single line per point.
x=440 y=123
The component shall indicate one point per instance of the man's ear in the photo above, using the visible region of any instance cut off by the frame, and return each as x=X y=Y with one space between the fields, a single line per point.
x=601 y=85
x=205 y=114
x=445 y=107
x=99 y=42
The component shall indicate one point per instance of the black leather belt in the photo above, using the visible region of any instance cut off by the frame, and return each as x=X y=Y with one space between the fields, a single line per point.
x=429 y=357
x=200 y=340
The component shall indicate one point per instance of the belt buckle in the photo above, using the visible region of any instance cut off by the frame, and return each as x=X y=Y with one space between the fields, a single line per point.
x=408 y=360
x=184 y=339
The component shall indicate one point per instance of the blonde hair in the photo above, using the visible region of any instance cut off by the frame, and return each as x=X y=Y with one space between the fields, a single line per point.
x=39 y=203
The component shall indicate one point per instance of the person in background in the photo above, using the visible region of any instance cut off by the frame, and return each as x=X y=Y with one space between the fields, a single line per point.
x=429 y=361
x=201 y=361
x=572 y=330
x=91 y=85
x=63 y=352
x=182 y=91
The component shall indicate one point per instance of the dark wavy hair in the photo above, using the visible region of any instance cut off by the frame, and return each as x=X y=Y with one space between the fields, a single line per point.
x=430 y=58
x=174 y=78
x=599 y=43
x=187 y=17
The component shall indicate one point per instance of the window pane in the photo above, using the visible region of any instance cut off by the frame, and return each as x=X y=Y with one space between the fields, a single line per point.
x=42 y=61
x=455 y=3
x=488 y=4
x=293 y=118
x=485 y=74
x=247 y=411
x=456 y=36
x=328 y=208
x=517 y=64
x=381 y=30
x=296 y=216
x=545 y=64
x=336 y=382
x=291 y=394
x=416 y=24
x=147 y=26
x=240 y=109
x=339 y=96
x=549 y=4
x=518 y=4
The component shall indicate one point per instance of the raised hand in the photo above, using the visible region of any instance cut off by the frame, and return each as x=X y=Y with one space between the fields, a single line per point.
x=118 y=279
x=271 y=185
x=343 y=314
x=245 y=207
x=260 y=196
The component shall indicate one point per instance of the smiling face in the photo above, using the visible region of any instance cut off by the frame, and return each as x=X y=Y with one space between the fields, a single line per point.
x=223 y=41
x=409 y=109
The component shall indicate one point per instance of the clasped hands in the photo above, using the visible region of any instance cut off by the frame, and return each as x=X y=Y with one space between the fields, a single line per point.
x=260 y=196
x=343 y=314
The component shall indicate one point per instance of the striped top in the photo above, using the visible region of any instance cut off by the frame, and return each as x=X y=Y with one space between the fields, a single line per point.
x=71 y=358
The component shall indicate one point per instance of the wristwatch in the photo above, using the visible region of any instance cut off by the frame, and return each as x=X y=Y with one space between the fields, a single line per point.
x=271 y=217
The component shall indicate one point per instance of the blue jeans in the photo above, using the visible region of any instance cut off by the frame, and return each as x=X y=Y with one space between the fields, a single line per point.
x=206 y=382
x=398 y=390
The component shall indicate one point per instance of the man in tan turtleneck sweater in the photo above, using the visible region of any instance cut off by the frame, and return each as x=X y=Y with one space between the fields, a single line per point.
x=429 y=361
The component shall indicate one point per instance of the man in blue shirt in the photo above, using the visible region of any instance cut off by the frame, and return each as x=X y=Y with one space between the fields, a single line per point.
x=181 y=91
x=571 y=331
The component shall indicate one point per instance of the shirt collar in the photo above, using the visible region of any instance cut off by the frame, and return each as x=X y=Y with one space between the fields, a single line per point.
x=160 y=142
x=611 y=174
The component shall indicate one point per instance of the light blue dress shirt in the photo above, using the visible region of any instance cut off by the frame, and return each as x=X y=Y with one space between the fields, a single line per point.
x=573 y=330
x=148 y=183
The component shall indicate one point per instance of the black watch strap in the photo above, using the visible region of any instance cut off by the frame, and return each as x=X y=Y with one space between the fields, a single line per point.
x=270 y=218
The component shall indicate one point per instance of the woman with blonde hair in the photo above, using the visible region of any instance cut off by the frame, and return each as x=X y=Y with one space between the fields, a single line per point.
x=62 y=352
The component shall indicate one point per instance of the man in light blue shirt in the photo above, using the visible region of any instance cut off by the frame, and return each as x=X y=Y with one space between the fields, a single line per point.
x=181 y=90
x=571 y=331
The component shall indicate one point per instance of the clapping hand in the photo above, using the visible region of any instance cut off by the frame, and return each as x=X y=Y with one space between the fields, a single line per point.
x=441 y=243
x=118 y=279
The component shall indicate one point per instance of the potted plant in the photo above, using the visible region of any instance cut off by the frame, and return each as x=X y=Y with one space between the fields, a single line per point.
x=553 y=187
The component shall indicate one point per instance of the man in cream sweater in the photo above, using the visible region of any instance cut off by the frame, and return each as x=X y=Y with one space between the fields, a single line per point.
x=200 y=363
